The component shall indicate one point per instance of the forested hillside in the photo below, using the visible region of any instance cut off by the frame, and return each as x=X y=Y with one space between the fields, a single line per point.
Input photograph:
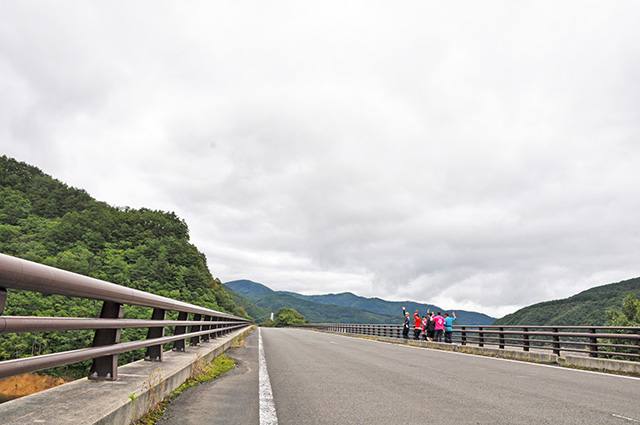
x=257 y=313
x=393 y=308
x=44 y=220
x=342 y=308
x=588 y=308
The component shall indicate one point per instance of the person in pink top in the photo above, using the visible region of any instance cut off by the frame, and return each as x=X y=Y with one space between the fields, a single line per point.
x=439 y=321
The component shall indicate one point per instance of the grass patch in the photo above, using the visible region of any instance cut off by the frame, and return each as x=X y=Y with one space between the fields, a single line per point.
x=207 y=372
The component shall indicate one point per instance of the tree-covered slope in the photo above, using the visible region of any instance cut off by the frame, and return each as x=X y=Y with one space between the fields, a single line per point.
x=46 y=221
x=321 y=313
x=393 y=308
x=248 y=287
x=257 y=313
x=588 y=308
x=343 y=308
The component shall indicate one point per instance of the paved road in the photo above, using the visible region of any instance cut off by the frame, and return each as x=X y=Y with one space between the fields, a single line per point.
x=329 y=379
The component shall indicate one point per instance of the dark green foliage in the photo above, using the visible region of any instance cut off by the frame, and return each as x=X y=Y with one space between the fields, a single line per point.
x=288 y=317
x=285 y=317
x=628 y=315
x=248 y=287
x=353 y=309
x=45 y=221
x=588 y=308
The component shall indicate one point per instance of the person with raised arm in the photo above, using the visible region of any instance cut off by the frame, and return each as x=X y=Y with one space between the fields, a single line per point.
x=405 y=326
x=448 y=326
x=431 y=327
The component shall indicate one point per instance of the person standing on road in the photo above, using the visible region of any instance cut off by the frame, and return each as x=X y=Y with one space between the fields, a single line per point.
x=405 y=327
x=439 y=326
x=425 y=320
x=448 y=326
x=431 y=327
x=417 y=325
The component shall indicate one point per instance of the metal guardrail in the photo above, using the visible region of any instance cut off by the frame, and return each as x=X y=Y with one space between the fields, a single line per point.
x=596 y=341
x=25 y=275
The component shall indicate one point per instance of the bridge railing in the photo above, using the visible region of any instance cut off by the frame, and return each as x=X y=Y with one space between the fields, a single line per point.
x=197 y=324
x=594 y=341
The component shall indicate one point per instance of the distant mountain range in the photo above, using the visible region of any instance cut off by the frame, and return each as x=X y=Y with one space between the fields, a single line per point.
x=588 y=308
x=334 y=308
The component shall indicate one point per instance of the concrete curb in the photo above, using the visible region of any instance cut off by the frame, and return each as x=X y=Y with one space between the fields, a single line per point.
x=483 y=351
x=603 y=364
x=141 y=385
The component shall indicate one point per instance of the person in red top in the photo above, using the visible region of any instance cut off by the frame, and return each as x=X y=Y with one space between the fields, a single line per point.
x=418 y=325
x=439 y=321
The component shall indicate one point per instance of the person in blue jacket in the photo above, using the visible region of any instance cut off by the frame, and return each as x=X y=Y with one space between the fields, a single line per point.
x=448 y=326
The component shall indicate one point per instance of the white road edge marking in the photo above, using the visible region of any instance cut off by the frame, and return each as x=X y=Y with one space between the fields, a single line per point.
x=267 y=407
x=624 y=417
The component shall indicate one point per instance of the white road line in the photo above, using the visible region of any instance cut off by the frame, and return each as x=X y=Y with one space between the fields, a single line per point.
x=625 y=418
x=267 y=407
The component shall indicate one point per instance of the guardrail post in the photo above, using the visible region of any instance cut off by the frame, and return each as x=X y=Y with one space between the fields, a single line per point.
x=195 y=340
x=179 y=345
x=593 y=347
x=638 y=341
x=464 y=335
x=556 y=342
x=214 y=334
x=154 y=353
x=106 y=367
x=3 y=300
x=501 y=337
x=480 y=337
x=205 y=338
x=525 y=339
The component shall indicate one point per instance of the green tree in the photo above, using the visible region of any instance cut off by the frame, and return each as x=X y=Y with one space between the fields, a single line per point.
x=287 y=317
x=628 y=315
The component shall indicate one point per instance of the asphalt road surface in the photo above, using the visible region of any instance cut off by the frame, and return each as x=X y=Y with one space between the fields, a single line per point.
x=319 y=378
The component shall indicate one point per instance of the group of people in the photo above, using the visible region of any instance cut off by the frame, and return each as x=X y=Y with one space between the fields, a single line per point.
x=432 y=328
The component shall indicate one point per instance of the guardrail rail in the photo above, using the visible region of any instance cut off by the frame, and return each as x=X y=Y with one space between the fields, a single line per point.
x=195 y=323
x=594 y=341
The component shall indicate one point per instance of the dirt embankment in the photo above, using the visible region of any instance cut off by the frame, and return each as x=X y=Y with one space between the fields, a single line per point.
x=29 y=383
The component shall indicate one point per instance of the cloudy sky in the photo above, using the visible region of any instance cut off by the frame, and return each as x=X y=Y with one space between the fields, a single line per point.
x=475 y=155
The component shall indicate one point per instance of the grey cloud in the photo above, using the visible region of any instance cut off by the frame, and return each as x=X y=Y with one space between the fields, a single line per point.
x=480 y=157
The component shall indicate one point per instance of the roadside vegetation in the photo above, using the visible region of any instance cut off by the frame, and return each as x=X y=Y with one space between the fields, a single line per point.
x=628 y=315
x=201 y=372
x=207 y=372
x=588 y=308
x=285 y=317
x=45 y=221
